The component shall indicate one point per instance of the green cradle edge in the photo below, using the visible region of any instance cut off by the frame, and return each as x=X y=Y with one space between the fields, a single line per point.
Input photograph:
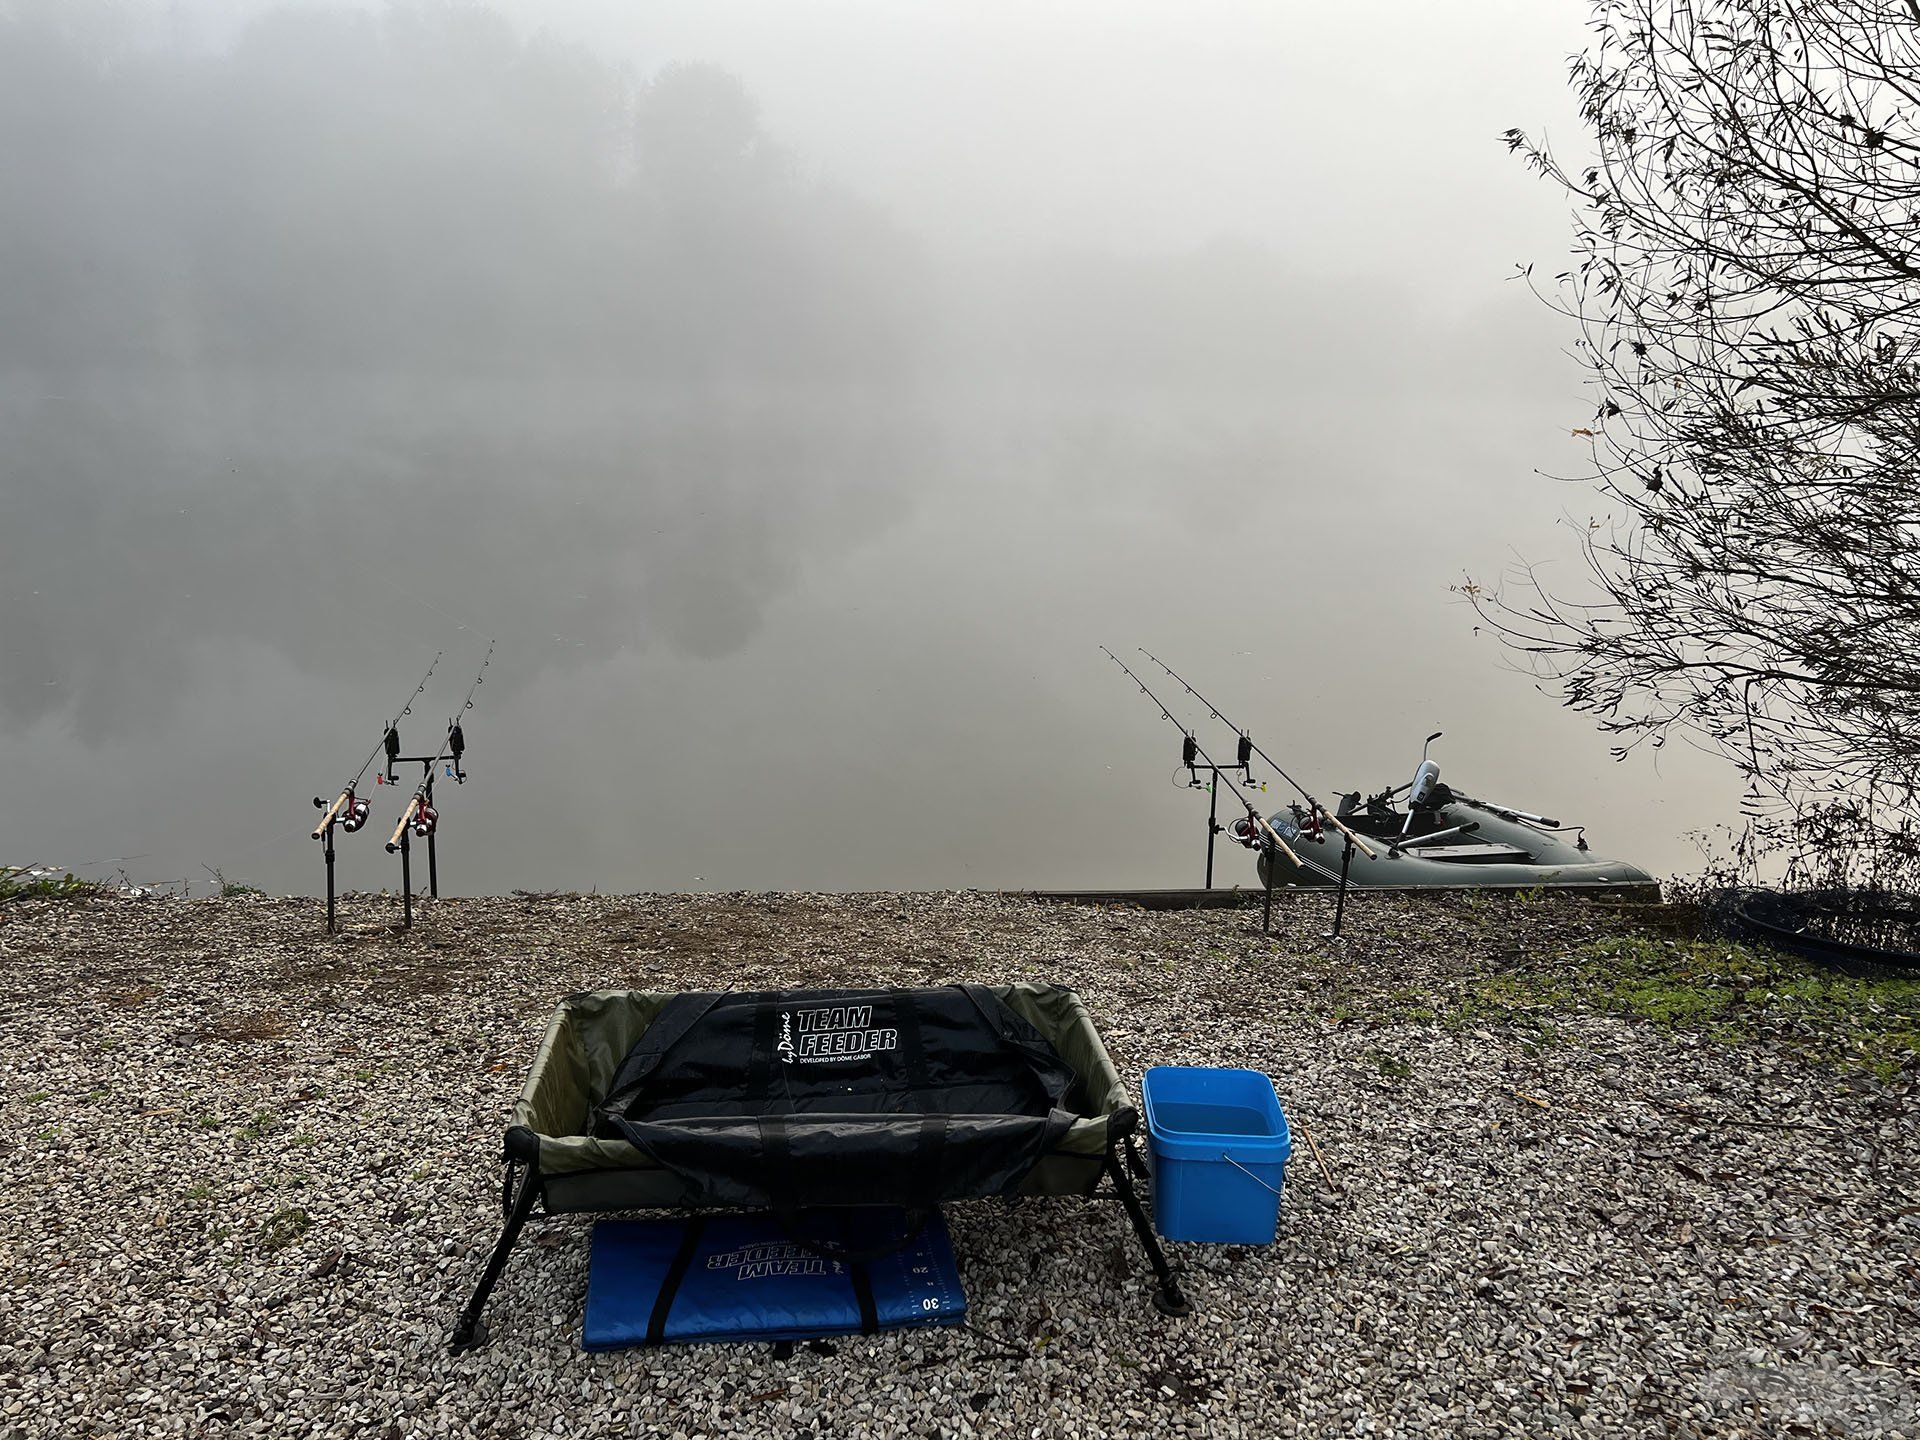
x=591 y=1033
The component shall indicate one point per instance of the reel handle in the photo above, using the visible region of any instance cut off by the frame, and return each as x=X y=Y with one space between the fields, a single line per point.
x=333 y=812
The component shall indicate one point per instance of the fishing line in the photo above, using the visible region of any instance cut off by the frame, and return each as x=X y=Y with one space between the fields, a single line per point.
x=419 y=812
x=1246 y=740
x=1316 y=811
x=348 y=809
x=1190 y=746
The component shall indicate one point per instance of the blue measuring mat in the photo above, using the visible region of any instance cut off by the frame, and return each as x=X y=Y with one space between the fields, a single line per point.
x=745 y=1277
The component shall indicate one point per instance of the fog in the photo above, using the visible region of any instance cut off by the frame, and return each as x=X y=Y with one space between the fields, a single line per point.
x=797 y=396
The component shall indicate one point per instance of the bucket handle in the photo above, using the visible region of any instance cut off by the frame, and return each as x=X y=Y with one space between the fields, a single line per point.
x=1249 y=1174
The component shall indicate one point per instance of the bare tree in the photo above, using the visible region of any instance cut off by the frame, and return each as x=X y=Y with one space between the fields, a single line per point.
x=1746 y=276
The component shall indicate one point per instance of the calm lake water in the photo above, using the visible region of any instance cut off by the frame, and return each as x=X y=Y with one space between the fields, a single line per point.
x=797 y=509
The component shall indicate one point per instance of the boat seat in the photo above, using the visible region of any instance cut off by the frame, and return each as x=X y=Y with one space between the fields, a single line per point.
x=1470 y=854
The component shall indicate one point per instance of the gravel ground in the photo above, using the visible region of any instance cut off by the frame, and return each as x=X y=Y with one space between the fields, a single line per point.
x=247 y=1190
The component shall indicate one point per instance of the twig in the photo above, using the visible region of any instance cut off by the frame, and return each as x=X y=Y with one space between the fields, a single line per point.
x=1314 y=1145
x=1008 y=1349
x=1680 y=1108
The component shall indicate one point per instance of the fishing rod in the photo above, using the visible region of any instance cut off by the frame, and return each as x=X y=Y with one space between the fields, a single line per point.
x=349 y=811
x=419 y=811
x=1192 y=756
x=356 y=810
x=1247 y=744
x=419 y=817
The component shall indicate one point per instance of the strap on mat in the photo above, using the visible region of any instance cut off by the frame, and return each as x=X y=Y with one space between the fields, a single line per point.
x=676 y=1272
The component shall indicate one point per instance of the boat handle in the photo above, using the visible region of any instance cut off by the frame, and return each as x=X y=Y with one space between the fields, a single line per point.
x=1249 y=1174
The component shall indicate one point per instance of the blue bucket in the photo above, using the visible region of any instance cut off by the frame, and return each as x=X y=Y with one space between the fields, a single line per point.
x=1217 y=1144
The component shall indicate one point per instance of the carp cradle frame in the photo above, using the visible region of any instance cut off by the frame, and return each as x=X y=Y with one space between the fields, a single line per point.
x=558 y=1153
x=522 y=1154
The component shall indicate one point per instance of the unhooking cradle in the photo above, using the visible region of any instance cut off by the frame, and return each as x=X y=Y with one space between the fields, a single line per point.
x=786 y=1099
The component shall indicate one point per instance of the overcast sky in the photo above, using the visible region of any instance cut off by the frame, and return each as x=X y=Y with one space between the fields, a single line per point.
x=799 y=394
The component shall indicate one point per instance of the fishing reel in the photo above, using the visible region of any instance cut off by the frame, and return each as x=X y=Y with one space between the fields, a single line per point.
x=348 y=811
x=1248 y=832
x=425 y=820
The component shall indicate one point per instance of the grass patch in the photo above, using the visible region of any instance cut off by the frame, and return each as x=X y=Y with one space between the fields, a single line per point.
x=284 y=1227
x=228 y=888
x=263 y=1124
x=1733 y=993
x=19 y=883
x=1391 y=1066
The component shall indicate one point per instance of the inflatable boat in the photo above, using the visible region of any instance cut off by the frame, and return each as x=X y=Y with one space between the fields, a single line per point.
x=1435 y=836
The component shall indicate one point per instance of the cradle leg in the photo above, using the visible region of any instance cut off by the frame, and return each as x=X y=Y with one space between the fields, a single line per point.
x=470 y=1333
x=1167 y=1298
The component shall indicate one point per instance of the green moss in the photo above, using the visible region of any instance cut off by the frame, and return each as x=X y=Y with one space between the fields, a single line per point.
x=283 y=1228
x=1392 y=1066
x=1733 y=994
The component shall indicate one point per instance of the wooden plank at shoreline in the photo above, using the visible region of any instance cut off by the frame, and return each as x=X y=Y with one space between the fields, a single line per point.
x=1637 y=891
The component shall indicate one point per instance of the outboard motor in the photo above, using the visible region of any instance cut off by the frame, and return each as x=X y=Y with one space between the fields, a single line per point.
x=1426 y=780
